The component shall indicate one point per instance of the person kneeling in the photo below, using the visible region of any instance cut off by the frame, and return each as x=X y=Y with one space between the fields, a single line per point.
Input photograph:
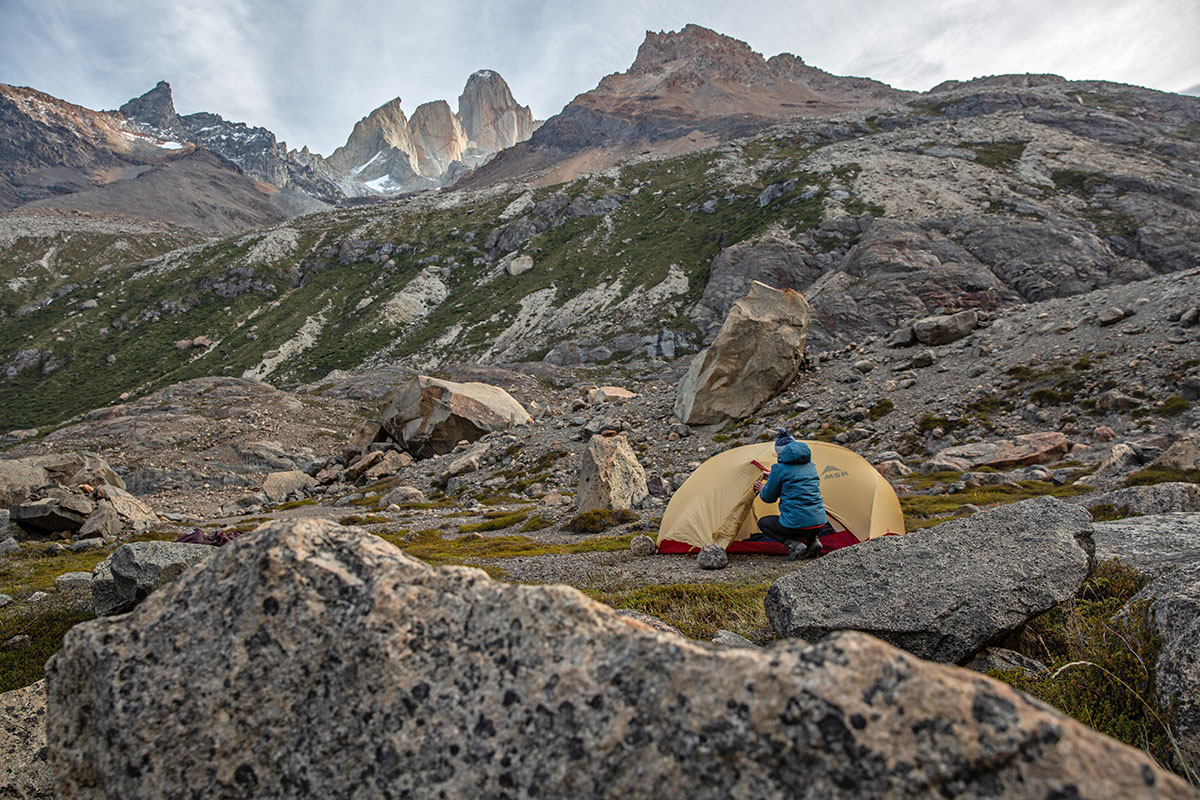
x=801 y=520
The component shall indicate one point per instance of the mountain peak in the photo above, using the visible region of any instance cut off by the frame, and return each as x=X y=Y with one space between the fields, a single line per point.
x=155 y=108
x=695 y=44
x=491 y=116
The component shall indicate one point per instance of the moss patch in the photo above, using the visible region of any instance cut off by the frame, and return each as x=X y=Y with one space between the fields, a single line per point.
x=432 y=548
x=24 y=663
x=1152 y=475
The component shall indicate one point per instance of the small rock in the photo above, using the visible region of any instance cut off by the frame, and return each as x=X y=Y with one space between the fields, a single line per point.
x=1110 y=316
x=730 y=639
x=73 y=582
x=643 y=545
x=712 y=556
x=1104 y=433
x=36 y=597
x=5 y=599
x=864 y=366
x=1000 y=659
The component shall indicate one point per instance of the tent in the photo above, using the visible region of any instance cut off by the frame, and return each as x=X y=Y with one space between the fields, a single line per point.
x=717 y=503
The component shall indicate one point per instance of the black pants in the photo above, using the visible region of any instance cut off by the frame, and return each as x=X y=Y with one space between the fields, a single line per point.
x=773 y=528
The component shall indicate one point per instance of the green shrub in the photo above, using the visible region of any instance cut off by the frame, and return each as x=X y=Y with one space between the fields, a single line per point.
x=358 y=519
x=1105 y=512
x=1101 y=668
x=1173 y=406
x=600 y=519
x=535 y=523
x=881 y=409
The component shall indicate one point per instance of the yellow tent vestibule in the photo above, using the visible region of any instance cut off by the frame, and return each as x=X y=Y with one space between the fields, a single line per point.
x=718 y=504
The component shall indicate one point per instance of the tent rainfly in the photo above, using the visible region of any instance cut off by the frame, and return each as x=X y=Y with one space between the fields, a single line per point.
x=717 y=503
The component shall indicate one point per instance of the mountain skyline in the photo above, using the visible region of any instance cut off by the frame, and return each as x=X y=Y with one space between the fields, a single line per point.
x=308 y=71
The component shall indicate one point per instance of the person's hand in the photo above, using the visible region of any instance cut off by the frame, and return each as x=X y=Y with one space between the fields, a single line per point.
x=758 y=484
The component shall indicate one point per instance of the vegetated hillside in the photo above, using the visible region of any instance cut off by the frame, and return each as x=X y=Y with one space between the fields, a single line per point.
x=990 y=193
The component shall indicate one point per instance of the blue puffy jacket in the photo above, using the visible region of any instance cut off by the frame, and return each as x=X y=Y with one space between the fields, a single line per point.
x=795 y=484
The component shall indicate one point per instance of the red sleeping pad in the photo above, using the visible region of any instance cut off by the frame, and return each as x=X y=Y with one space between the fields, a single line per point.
x=764 y=545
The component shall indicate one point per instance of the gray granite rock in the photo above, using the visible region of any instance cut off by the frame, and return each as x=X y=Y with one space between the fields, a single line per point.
x=134 y=570
x=1151 y=543
x=649 y=620
x=943 y=593
x=24 y=768
x=1174 y=609
x=73 y=582
x=643 y=545
x=730 y=639
x=363 y=672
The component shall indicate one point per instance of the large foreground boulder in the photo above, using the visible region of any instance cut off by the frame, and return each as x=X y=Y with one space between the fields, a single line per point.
x=1152 y=543
x=134 y=570
x=1174 y=607
x=755 y=355
x=1020 y=451
x=24 y=768
x=312 y=660
x=429 y=416
x=947 y=592
x=610 y=475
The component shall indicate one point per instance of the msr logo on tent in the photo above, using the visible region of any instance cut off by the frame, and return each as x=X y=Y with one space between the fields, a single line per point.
x=833 y=472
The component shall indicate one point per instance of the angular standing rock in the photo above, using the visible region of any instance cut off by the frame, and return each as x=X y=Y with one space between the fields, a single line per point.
x=18 y=480
x=363 y=672
x=755 y=355
x=610 y=475
x=943 y=593
x=136 y=513
x=66 y=512
x=429 y=416
x=103 y=523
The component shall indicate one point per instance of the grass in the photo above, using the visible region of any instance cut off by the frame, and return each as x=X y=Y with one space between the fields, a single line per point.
x=1161 y=474
x=1101 y=668
x=536 y=523
x=601 y=519
x=917 y=506
x=881 y=409
x=494 y=522
x=23 y=664
x=1173 y=406
x=699 y=609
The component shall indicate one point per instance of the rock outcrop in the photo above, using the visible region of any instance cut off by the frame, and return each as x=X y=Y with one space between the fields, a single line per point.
x=429 y=416
x=1021 y=451
x=943 y=593
x=756 y=354
x=1174 y=607
x=1153 y=543
x=361 y=670
x=1158 y=498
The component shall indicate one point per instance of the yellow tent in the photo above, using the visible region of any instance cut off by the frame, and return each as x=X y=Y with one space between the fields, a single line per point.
x=718 y=503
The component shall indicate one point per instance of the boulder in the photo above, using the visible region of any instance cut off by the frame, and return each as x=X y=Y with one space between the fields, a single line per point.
x=361 y=671
x=519 y=265
x=650 y=621
x=610 y=475
x=1151 y=543
x=72 y=468
x=403 y=494
x=365 y=435
x=126 y=577
x=1174 y=608
x=103 y=523
x=73 y=582
x=136 y=514
x=643 y=545
x=1159 y=498
x=468 y=460
x=945 y=328
x=755 y=355
x=24 y=766
x=1002 y=660
x=608 y=394
x=1023 y=450
x=60 y=512
x=429 y=416
x=947 y=592
x=279 y=486
x=362 y=463
x=18 y=480
x=392 y=462
x=1184 y=453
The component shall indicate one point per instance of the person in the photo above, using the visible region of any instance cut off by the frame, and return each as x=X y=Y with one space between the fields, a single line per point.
x=794 y=482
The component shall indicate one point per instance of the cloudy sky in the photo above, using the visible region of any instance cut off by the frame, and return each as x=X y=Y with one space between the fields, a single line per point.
x=308 y=69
